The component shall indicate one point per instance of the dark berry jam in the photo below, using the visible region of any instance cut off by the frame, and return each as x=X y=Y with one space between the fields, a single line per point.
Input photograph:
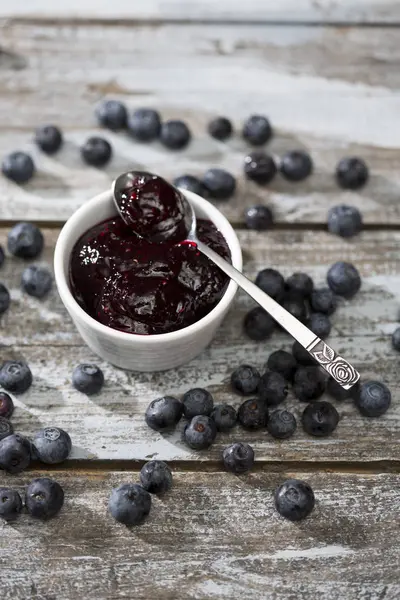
x=131 y=284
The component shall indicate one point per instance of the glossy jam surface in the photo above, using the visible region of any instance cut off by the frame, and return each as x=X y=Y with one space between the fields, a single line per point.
x=136 y=286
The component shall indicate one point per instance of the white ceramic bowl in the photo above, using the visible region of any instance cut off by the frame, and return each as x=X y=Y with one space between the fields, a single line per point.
x=127 y=350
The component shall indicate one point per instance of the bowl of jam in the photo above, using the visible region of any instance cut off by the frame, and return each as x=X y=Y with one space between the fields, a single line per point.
x=145 y=304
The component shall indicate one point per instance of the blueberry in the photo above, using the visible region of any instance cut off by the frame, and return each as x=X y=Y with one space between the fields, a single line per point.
x=191 y=183
x=320 y=418
x=302 y=356
x=145 y=125
x=344 y=279
x=257 y=130
x=197 y=402
x=309 y=383
x=52 y=445
x=273 y=388
x=323 y=300
x=6 y=405
x=258 y=324
x=296 y=306
x=220 y=128
x=272 y=283
x=253 y=414
x=294 y=499
x=224 y=417
x=48 y=138
x=44 y=498
x=284 y=363
x=334 y=389
x=4 y=298
x=2 y=256
x=18 y=166
x=344 y=220
x=200 y=433
x=219 y=184
x=88 y=379
x=281 y=424
x=175 y=135
x=112 y=114
x=10 y=504
x=163 y=413
x=319 y=324
x=36 y=281
x=238 y=457
x=373 y=398
x=296 y=165
x=129 y=504
x=245 y=380
x=352 y=173
x=259 y=217
x=15 y=376
x=300 y=284
x=396 y=339
x=15 y=453
x=6 y=428
x=156 y=477
x=96 y=151
x=260 y=167
x=25 y=240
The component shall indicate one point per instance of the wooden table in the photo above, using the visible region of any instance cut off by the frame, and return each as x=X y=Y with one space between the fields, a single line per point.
x=327 y=74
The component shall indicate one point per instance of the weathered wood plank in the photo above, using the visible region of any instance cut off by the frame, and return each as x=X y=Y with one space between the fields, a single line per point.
x=299 y=76
x=214 y=536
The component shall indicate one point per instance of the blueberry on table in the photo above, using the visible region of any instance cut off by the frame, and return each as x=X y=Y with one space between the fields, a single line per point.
x=25 y=240
x=373 y=398
x=257 y=130
x=323 y=300
x=253 y=414
x=281 y=424
x=258 y=325
x=112 y=114
x=164 y=413
x=175 y=135
x=300 y=284
x=197 y=402
x=309 y=383
x=301 y=355
x=52 y=445
x=192 y=184
x=88 y=379
x=396 y=339
x=220 y=128
x=245 y=380
x=238 y=457
x=15 y=453
x=156 y=477
x=2 y=256
x=200 y=433
x=296 y=306
x=10 y=504
x=220 y=184
x=129 y=504
x=96 y=151
x=260 y=167
x=319 y=324
x=334 y=389
x=320 y=419
x=294 y=499
x=48 y=138
x=296 y=165
x=6 y=405
x=258 y=218
x=6 y=428
x=273 y=388
x=224 y=417
x=272 y=283
x=15 y=376
x=4 y=298
x=345 y=221
x=284 y=363
x=18 y=166
x=144 y=125
x=351 y=173
x=344 y=279
x=36 y=281
x=44 y=498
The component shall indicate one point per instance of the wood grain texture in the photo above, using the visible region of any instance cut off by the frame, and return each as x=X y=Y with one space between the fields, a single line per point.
x=301 y=77
x=111 y=425
x=214 y=536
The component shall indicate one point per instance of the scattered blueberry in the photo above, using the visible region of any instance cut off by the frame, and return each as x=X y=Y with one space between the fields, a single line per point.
x=259 y=217
x=156 y=477
x=253 y=414
x=10 y=504
x=96 y=151
x=334 y=389
x=294 y=499
x=220 y=128
x=6 y=405
x=192 y=184
x=224 y=416
x=281 y=424
x=302 y=356
x=36 y=281
x=197 y=402
x=25 y=240
x=309 y=383
x=344 y=220
x=319 y=324
x=344 y=279
x=112 y=114
x=15 y=376
x=352 y=173
x=258 y=324
x=18 y=166
x=300 y=284
x=2 y=256
x=257 y=130
x=245 y=380
x=175 y=135
x=320 y=418
x=219 y=184
x=88 y=379
x=396 y=339
x=323 y=300
x=373 y=398
x=284 y=363
x=6 y=428
x=52 y=445
x=44 y=498
x=4 y=298
x=200 y=433
x=272 y=283
x=49 y=138
x=238 y=457
x=129 y=504
x=164 y=413
x=296 y=306
x=15 y=453
x=273 y=388
x=296 y=165
x=260 y=167
x=144 y=125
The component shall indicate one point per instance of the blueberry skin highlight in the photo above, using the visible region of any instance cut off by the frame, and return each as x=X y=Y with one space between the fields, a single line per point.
x=238 y=457
x=294 y=499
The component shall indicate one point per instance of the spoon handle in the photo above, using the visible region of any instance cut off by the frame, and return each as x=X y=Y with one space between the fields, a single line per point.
x=334 y=364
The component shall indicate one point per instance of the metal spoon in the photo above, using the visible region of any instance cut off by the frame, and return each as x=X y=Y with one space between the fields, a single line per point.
x=335 y=365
